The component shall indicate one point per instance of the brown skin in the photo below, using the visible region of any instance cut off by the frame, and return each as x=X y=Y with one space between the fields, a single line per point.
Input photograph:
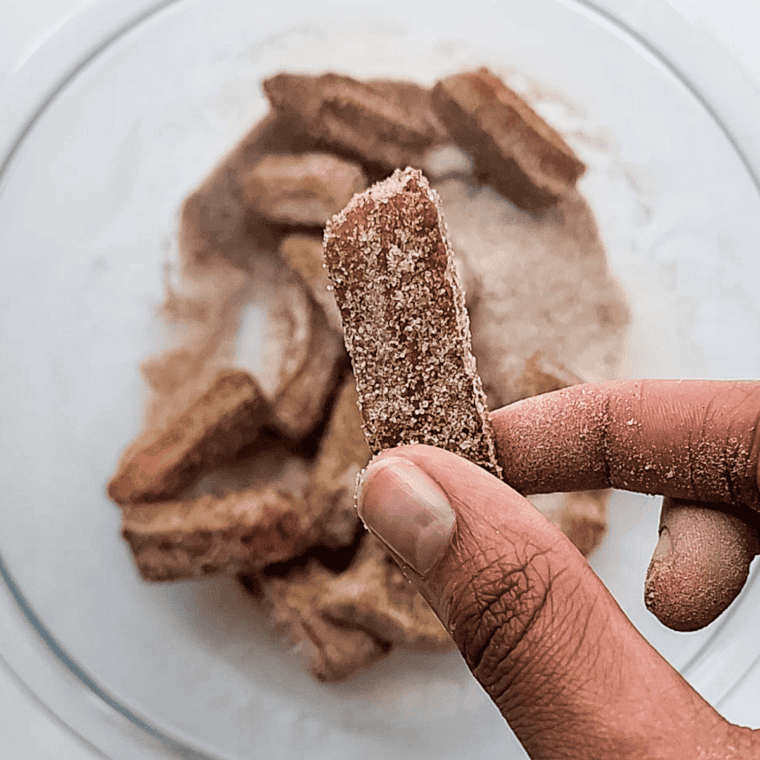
x=537 y=628
x=695 y=442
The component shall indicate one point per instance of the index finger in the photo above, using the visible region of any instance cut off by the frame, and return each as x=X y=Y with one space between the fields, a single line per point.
x=688 y=439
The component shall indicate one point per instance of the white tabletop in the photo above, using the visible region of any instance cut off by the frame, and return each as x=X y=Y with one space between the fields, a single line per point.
x=27 y=730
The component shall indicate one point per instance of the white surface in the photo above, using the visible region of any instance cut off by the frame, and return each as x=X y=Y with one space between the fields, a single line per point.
x=26 y=730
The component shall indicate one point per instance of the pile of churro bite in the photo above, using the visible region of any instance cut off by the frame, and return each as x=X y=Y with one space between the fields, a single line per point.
x=419 y=255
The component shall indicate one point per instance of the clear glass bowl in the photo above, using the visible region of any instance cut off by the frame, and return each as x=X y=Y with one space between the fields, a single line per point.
x=106 y=129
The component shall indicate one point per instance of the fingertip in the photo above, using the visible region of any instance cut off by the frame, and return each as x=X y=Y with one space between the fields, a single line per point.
x=677 y=595
x=699 y=566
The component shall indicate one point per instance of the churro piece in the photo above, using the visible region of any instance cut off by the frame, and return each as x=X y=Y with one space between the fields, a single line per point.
x=351 y=116
x=511 y=145
x=331 y=652
x=374 y=595
x=238 y=533
x=288 y=317
x=413 y=99
x=299 y=404
x=343 y=452
x=207 y=433
x=405 y=322
x=303 y=254
x=304 y=189
x=302 y=357
x=215 y=224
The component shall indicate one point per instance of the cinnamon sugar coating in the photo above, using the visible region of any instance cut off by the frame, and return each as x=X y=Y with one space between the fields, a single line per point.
x=211 y=430
x=405 y=322
x=241 y=532
x=519 y=153
x=352 y=116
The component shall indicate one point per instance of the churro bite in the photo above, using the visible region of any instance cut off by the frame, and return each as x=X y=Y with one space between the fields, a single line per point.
x=373 y=594
x=331 y=652
x=343 y=452
x=511 y=145
x=369 y=122
x=300 y=401
x=238 y=533
x=210 y=431
x=302 y=189
x=405 y=322
x=303 y=254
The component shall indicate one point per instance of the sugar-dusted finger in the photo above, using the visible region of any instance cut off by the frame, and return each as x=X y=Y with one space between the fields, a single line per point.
x=701 y=562
x=689 y=439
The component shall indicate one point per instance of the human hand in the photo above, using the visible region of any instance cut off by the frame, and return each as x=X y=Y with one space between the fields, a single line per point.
x=537 y=628
x=695 y=442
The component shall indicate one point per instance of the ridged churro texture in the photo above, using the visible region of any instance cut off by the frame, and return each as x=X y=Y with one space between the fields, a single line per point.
x=405 y=322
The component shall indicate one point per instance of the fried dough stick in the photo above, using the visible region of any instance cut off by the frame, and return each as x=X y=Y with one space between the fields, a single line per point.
x=299 y=404
x=521 y=155
x=372 y=123
x=241 y=532
x=304 y=189
x=303 y=254
x=331 y=652
x=405 y=322
x=343 y=452
x=211 y=430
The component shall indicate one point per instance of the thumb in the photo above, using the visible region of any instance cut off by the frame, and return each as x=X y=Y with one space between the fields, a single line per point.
x=535 y=625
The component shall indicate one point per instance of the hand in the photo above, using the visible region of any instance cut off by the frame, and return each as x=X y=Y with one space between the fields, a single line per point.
x=535 y=625
x=695 y=442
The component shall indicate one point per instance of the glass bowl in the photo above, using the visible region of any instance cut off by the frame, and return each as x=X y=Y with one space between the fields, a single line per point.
x=107 y=127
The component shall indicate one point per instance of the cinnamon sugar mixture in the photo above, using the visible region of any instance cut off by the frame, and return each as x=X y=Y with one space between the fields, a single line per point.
x=526 y=293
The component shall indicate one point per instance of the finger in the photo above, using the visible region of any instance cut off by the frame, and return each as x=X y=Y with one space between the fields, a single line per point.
x=696 y=440
x=535 y=625
x=700 y=564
